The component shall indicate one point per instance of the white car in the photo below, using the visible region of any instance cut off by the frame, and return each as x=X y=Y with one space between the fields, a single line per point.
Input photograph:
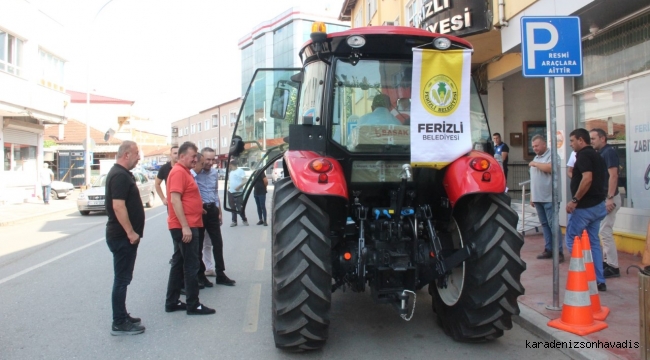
x=61 y=189
x=93 y=198
x=247 y=171
x=278 y=171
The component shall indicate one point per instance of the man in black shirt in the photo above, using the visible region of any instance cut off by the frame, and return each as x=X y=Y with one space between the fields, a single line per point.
x=163 y=172
x=124 y=229
x=587 y=206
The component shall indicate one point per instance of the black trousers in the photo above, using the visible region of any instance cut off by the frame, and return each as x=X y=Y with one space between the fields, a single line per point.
x=212 y=226
x=124 y=254
x=236 y=204
x=185 y=266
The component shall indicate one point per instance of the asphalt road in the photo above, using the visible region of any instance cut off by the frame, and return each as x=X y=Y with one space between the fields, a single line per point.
x=55 y=285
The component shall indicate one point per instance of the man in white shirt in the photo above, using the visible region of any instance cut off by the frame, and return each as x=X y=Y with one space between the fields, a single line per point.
x=236 y=181
x=47 y=176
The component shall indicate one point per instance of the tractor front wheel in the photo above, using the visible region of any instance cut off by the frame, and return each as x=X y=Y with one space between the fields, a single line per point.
x=480 y=296
x=302 y=270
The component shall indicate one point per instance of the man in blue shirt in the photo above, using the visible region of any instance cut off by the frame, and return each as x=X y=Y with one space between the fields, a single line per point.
x=208 y=181
x=612 y=202
x=236 y=181
x=380 y=114
x=501 y=151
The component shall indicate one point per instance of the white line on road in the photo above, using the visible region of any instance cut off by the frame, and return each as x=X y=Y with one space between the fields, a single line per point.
x=253 y=308
x=259 y=262
x=32 y=268
x=264 y=235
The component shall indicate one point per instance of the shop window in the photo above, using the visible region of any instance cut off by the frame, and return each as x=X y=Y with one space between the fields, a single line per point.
x=19 y=157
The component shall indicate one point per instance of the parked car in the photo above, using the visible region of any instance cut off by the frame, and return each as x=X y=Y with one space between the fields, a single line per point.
x=247 y=171
x=61 y=189
x=278 y=171
x=93 y=198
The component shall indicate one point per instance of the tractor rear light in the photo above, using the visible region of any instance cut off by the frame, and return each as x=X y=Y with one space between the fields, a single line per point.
x=320 y=165
x=347 y=256
x=432 y=254
x=322 y=178
x=486 y=176
x=480 y=164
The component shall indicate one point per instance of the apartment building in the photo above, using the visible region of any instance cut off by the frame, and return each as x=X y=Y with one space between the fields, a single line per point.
x=33 y=52
x=211 y=127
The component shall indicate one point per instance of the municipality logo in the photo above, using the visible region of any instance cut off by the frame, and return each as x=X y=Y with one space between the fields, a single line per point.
x=441 y=95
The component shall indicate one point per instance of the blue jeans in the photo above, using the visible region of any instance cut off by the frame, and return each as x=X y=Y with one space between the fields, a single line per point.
x=260 y=201
x=545 y=215
x=46 y=193
x=589 y=219
x=124 y=254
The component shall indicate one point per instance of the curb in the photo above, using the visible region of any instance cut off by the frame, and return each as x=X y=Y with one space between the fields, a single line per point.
x=31 y=217
x=535 y=322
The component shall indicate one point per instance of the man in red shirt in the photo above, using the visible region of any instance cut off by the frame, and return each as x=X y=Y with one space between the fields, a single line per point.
x=185 y=209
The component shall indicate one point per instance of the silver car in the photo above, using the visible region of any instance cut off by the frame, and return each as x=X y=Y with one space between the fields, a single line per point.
x=61 y=189
x=93 y=198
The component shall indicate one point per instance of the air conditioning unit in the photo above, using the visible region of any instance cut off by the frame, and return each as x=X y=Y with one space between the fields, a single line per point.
x=389 y=23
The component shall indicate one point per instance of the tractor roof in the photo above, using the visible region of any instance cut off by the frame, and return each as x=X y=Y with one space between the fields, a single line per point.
x=381 y=40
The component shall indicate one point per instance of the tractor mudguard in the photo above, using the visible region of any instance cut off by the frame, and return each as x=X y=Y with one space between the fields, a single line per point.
x=306 y=179
x=461 y=179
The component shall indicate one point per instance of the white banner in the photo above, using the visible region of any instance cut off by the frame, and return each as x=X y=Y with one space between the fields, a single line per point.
x=440 y=125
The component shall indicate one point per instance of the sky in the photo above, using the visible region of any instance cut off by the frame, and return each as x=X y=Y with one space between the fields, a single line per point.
x=173 y=58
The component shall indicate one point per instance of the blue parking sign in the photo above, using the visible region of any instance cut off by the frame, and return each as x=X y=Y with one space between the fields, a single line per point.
x=551 y=46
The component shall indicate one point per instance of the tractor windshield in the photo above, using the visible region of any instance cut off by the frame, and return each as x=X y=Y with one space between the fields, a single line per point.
x=372 y=107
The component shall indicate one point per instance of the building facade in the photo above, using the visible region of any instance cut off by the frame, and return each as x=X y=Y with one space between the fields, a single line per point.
x=33 y=52
x=211 y=127
x=610 y=95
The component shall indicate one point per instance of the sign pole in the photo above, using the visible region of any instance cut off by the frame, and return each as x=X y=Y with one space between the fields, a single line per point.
x=555 y=173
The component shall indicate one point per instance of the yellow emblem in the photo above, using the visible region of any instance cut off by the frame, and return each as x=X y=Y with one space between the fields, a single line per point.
x=440 y=95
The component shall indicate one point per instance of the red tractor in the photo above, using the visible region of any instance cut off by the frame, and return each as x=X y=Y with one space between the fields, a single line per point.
x=351 y=212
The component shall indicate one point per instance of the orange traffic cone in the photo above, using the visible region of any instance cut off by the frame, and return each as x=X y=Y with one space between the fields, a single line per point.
x=577 y=316
x=600 y=312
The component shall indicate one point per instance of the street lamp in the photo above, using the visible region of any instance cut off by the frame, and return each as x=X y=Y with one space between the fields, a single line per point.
x=87 y=155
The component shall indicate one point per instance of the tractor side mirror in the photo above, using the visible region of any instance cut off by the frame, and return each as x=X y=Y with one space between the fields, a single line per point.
x=279 y=103
x=236 y=146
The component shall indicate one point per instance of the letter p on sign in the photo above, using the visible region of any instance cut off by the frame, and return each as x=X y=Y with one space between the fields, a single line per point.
x=533 y=46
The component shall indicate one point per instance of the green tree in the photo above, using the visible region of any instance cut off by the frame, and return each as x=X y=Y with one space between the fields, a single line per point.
x=48 y=143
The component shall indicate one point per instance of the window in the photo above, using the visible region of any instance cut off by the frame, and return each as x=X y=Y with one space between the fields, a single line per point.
x=233 y=117
x=186 y=131
x=213 y=143
x=224 y=120
x=11 y=53
x=412 y=14
x=206 y=125
x=198 y=145
x=224 y=141
x=51 y=70
x=215 y=120
x=358 y=19
x=193 y=128
x=198 y=127
x=372 y=9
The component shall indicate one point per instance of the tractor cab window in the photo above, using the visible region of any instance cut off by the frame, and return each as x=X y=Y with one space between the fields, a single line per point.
x=311 y=94
x=372 y=105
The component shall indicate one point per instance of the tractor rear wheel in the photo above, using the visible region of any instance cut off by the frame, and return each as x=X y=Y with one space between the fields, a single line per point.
x=302 y=270
x=481 y=295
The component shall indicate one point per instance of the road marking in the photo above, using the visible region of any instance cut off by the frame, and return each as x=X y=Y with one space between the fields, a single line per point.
x=265 y=233
x=253 y=308
x=32 y=268
x=259 y=262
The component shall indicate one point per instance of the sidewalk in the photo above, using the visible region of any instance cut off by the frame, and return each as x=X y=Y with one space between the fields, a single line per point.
x=16 y=213
x=622 y=298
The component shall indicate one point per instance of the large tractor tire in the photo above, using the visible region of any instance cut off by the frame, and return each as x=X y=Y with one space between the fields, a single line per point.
x=481 y=296
x=302 y=270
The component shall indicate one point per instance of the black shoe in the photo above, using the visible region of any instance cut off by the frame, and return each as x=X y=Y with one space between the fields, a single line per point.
x=207 y=283
x=222 y=279
x=611 y=272
x=133 y=320
x=201 y=310
x=561 y=258
x=201 y=285
x=180 y=306
x=260 y=222
x=126 y=328
x=545 y=255
x=266 y=224
x=602 y=287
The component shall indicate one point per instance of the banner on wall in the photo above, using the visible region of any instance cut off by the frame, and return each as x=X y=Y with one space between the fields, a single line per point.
x=440 y=107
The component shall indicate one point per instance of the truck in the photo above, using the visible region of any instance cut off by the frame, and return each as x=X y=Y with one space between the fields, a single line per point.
x=352 y=213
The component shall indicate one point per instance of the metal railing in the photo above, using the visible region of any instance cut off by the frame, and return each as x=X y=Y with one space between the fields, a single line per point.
x=523 y=204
